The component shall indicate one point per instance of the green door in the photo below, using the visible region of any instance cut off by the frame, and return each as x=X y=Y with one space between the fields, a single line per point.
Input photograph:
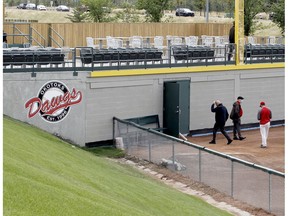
x=176 y=107
x=171 y=108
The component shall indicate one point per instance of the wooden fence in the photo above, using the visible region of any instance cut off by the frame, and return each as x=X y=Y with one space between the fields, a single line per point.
x=74 y=34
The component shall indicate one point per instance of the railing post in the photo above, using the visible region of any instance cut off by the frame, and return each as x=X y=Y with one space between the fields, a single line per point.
x=200 y=177
x=75 y=73
x=149 y=151
x=269 y=192
x=173 y=154
x=232 y=178
x=114 y=132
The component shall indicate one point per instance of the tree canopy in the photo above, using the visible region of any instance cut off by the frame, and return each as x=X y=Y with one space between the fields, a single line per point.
x=278 y=14
x=98 y=9
x=154 y=9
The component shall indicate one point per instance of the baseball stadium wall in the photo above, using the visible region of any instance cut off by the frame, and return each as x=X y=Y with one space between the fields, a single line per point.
x=84 y=115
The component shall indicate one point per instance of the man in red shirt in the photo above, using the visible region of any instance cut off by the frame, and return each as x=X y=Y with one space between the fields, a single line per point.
x=264 y=116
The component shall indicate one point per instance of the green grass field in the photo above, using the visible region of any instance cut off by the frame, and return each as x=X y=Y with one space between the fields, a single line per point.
x=44 y=175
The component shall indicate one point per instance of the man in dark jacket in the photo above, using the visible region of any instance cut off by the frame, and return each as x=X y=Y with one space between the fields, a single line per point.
x=235 y=115
x=231 y=41
x=221 y=116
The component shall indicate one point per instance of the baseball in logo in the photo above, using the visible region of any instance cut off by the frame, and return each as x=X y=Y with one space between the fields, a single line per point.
x=53 y=101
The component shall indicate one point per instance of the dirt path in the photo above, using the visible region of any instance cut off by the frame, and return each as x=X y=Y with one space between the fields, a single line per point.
x=249 y=149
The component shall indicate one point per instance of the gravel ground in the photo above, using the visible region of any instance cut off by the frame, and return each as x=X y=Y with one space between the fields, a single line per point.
x=191 y=187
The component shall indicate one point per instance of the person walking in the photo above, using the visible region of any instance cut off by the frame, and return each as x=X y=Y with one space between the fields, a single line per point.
x=231 y=41
x=221 y=116
x=235 y=115
x=264 y=116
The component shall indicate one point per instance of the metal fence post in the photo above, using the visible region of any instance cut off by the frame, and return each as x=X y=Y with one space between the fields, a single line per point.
x=149 y=150
x=173 y=154
x=114 y=143
x=232 y=178
x=269 y=192
x=128 y=138
x=200 y=179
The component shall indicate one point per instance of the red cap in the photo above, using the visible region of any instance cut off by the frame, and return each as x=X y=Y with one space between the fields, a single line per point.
x=262 y=103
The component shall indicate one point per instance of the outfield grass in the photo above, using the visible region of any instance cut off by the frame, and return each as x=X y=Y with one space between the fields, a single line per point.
x=47 y=176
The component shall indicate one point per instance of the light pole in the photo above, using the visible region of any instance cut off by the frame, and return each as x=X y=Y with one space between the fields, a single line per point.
x=207 y=11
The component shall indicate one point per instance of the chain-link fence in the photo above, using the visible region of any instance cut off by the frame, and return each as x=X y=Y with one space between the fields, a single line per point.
x=259 y=186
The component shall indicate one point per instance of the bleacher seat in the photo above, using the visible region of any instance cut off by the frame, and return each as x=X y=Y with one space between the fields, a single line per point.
x=7 y=58
x=19 y=58
x=86 y=56
x=43 y=57
x=57 y=57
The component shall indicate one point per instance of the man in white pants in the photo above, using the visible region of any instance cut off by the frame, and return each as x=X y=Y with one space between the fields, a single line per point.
x=264 y=116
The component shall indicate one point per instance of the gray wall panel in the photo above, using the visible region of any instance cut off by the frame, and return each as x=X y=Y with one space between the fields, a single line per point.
x=268 y=89
x=123 y=102
x=16 y=93
x=202 y=96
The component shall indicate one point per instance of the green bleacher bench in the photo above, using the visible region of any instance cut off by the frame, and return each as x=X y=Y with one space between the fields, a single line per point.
x=152 y=120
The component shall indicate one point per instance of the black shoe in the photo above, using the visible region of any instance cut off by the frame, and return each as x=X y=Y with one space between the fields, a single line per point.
x=242 y=138
x=235 y=138
x=229 y=142
x=212 y=142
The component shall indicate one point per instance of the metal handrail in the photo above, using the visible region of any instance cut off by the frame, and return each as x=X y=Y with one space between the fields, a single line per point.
x=39 y=36
x=50 y=36
x=21 y=33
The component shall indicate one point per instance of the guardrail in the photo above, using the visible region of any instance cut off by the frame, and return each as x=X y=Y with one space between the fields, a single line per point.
x=91 y=59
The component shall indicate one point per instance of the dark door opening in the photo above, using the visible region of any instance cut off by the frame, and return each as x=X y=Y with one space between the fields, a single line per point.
x=176 y=107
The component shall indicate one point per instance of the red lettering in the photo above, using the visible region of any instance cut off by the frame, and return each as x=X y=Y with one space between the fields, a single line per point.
x=30 y=104
x=49 y=107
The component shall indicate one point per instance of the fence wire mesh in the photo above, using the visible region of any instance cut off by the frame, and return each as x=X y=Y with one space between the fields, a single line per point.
x=259 y=186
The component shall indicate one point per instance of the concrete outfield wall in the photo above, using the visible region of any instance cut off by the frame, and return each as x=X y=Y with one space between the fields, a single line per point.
x=132 y=96
x=19 y=88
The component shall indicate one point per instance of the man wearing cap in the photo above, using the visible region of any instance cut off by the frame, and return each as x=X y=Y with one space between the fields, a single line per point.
x=235 y=115
x=264 y=116
x=221 y=116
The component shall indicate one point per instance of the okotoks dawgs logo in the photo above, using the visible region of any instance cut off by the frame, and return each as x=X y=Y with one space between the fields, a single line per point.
x=53 y=102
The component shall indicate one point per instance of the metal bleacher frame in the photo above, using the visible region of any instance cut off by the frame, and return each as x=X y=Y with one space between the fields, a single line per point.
x=87 y=58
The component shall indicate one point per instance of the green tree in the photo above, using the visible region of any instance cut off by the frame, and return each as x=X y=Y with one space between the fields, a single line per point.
x=278 y=10
x=98 y=10
x=79 y=14
x=128 y=14
x=251 y=8
x=200 y=5
x=154 y=9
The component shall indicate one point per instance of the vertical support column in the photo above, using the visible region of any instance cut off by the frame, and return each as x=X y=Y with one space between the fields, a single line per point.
x=239 y=31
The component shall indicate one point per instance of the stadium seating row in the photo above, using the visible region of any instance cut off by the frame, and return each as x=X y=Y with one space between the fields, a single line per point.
x=119 y=55
x=192 y=53
x=32 y=57
x=264 y=51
